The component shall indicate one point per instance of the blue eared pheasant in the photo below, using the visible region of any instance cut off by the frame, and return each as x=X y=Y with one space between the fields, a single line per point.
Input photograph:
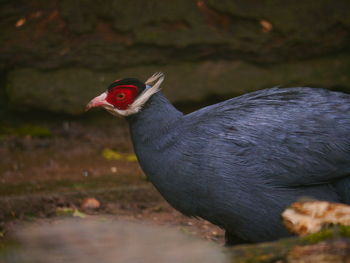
x=241 y=162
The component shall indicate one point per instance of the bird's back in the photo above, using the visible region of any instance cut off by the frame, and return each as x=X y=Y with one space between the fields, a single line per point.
x=285 y=136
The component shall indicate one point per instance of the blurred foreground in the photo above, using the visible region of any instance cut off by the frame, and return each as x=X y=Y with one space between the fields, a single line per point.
x=106 y=240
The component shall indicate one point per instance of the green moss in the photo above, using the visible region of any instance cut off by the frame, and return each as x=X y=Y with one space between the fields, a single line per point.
x=261 y=252
x=33 y=130
x=327 y=233
x=344 y=231
x=90 y=183
x=26 y=130
x=6 y=246
x=69 y=212
x=319 y=236
x=204 y=78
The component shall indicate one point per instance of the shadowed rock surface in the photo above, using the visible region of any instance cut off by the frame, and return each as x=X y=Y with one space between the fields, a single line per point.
x=66 y=90
x=54 y=55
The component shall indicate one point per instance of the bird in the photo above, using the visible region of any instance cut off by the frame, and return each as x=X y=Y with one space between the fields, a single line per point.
x=240 y=162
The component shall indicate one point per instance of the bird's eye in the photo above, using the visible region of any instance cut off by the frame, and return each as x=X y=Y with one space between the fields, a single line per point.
x=120 y=96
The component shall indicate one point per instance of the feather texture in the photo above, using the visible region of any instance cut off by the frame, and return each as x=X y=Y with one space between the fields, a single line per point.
x=240 y=162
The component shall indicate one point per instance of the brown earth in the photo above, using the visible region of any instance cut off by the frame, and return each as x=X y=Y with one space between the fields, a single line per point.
x=43 y=177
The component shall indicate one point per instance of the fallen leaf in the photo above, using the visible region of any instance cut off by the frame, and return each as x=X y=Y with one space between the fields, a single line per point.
x=77 y=213
x=131 y=158
x=111 y=155
x=21 y=22
x=68 y=211
x=266 y=26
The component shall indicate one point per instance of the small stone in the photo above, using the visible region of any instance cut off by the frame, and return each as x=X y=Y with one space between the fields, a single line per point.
x=66 y=125
x=114 y=169
x=90 y=204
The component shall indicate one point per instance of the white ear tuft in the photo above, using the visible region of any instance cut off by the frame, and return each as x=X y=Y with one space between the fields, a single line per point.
x=156 y=76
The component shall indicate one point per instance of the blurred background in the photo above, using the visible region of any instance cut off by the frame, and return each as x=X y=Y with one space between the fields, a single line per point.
x=56 y=55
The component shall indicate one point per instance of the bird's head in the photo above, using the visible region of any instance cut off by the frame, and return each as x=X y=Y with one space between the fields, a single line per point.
x=127 y=96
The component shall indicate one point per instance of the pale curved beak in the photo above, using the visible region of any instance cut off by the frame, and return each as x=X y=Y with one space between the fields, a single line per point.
x=98 y=101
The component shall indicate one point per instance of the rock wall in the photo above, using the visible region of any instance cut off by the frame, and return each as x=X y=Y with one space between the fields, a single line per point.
x=55 y=55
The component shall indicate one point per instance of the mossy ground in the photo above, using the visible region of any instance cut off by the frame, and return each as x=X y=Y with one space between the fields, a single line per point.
x=26 y=130
x=337 y=231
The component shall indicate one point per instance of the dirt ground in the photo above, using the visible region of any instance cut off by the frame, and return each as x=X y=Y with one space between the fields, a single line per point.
x=43 y=174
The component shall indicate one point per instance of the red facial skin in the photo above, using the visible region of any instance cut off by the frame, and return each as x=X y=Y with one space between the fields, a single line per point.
x=122 y=96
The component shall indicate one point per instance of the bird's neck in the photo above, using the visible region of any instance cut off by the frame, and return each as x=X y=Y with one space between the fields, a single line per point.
x=154 y=119
x=155 y=133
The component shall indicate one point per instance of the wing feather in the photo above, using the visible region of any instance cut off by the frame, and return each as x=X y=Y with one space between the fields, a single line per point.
x=281 y=136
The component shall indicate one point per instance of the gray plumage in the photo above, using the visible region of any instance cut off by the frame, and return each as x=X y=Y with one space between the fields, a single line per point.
x=241 y=162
